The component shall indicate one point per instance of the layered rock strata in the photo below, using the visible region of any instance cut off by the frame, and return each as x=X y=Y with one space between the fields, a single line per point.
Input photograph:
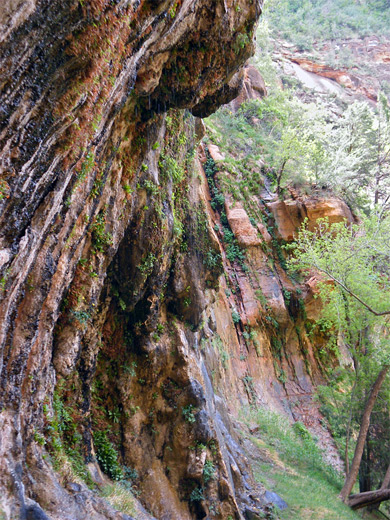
x=131 y=341
x=91 y=184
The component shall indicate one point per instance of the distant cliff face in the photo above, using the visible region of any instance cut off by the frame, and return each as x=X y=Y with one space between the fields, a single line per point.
x=364 y=71
x=98 y=206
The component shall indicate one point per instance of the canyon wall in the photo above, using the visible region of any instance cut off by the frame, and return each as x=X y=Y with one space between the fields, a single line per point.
x=125 y=322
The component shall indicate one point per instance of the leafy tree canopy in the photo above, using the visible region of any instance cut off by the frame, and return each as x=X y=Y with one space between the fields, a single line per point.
x=306 y=21
x=355 y=259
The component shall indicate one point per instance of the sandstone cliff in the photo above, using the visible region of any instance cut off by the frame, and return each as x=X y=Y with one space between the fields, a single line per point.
x=95 y=186
x=118 y=328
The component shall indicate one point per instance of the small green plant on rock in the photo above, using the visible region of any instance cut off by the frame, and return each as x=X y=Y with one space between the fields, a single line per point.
x=188 y=413
x=236 y=317
x=151 y=187
x=208 y=471
x=146 y=266
x=130 y=473
x=127 y=189
x=197 y=495
x=64 y=442
x=241 y=41
x=81 y=316
x=172 y=10
x=101 y=239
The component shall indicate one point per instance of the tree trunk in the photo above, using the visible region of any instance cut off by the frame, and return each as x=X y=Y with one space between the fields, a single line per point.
x=386 y=480
x=368 y=498
x=348 y=433
x=372 y=499
x=353 y=473
x=279 y=177
x=346 y=450
x=385 y=485
x=364 y=470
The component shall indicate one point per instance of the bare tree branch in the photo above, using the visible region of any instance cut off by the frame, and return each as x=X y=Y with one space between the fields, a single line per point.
x=345 y=288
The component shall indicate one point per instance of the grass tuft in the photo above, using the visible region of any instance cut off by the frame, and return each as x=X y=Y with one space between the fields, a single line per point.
x=119 y=497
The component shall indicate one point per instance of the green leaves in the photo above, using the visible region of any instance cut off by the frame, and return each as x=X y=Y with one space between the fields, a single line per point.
x=307 y=21
x=189 y=413
x=208 y=471
x=107 y=456
x=291 y=135
x=351 y=262
x=101 y=239
x=357 y=159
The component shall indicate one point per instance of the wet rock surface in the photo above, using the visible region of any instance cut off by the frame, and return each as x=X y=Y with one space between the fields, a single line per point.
x=119 y=324
x=93 y=220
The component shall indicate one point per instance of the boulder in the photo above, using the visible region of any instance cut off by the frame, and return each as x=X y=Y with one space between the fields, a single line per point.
x=253 y=87
x=245 y=233
x=290 y=214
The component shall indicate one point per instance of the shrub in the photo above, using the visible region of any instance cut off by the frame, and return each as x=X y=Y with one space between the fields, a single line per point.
x=107 y=456
x=300 y=429
x=197 y=495
x=236 y=317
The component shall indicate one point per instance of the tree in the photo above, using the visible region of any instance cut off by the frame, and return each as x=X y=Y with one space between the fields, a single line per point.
x=293 y=150
x=349 y=152
x=365 y=423
x=357 y=158
x=304 y=22
x=353 y=263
